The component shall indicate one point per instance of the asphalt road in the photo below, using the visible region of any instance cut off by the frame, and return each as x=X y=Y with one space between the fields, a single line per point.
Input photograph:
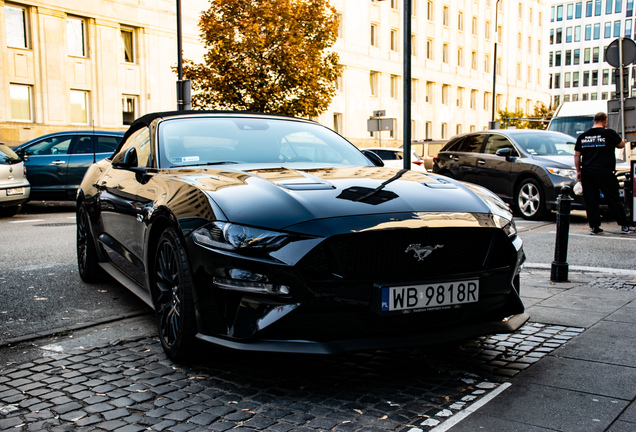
x=40 y=287
x=43 y=294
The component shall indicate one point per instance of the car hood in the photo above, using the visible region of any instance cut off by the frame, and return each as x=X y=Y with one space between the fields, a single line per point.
x=281 y=197
x=568 y=161
x=556 y=160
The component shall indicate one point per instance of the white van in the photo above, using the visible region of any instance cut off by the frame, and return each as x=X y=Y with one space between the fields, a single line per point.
x=574 y=118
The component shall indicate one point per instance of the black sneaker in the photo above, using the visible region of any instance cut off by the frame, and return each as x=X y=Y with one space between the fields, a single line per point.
x=596 y=231
x=627 y=229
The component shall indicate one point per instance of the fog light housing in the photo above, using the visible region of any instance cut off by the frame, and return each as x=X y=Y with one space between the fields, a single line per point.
x=245 y=281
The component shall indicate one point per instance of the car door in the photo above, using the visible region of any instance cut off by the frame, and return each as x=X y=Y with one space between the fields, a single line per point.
x=122 y=209
x=86 y=150
x=493 y=171
x=47 y=164
x=82 y=155
x=464 y=159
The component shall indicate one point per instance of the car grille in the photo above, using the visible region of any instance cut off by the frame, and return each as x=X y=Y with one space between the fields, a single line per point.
x=381 y=256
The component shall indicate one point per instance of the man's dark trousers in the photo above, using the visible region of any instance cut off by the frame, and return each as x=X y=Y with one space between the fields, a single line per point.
x=595 y=181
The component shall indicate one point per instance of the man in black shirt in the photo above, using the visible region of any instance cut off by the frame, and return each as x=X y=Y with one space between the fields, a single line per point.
x=595 y=162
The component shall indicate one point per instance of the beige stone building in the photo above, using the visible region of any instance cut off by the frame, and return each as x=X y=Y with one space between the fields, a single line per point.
x=77 y=64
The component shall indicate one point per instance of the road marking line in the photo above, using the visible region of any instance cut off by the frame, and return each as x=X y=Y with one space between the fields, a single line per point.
x=614 y=271
x=26 y=221
x=470 y=409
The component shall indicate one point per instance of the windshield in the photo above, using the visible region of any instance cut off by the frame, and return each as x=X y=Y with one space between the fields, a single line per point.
x=8 y=156
x=545 y=144
x=573 y=126
x=229 y=140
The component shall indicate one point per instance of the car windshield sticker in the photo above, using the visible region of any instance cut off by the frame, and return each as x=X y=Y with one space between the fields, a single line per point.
x=185 y=159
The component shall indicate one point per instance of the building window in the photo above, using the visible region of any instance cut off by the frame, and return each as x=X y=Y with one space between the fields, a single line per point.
x=445 y=88
x=429 y=49
x=415 y=83
x=605 y=77
x=576 y=60
x=460 y=97
x=79 y=107
x=394 y=40
x=473 y=99
x=617 y=28
x=460 y=57
x=428 y=130
x=76 y=35
x=445 y=17
x=127 y=40
x=575 y=79
x=374 y=35
x=487 y=30
x=473 y=60
x=474 y=26
x=340 y=31
x=444 y=130
x=487 y=63
x=487 y=99
x=414 y=45
x=16 y=23
x=337 y=123
x=429 y=91
x=597 y=31
x=577 y=34
x=394 y=86
x=394 y=4
x=340 y=80
x=128 y=109
x=595 y=54
x=460 y=21
x=21 y=109
x=445 y=53
x=608 y=30
x=429 y=10
x=373 y=82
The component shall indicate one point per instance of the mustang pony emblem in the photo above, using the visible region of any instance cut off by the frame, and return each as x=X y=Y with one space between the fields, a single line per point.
x=420 y=252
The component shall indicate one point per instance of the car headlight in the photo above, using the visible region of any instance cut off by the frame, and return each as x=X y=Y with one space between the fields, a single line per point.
x=563 y=172
x=502 y=216
x=233 y=237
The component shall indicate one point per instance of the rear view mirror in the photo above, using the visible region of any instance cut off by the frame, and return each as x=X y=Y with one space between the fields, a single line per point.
x=504 y=152
x=373 y=158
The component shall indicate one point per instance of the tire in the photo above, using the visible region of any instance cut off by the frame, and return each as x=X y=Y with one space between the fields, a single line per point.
x=530 y=200
x=172 y=292
x=87 y=261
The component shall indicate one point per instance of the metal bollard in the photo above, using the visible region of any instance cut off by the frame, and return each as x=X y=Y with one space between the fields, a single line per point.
x=559 y=272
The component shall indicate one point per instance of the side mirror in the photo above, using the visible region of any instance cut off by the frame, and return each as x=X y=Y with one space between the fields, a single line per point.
x=504 y=152
x=373 y=158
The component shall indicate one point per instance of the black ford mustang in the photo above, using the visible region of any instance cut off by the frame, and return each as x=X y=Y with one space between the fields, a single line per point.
x=270 y=233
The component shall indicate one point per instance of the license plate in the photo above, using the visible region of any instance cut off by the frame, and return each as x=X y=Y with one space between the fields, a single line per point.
x=429 y=296
x=15 y=191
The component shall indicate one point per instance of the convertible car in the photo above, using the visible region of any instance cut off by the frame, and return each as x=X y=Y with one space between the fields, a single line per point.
x=270 y=233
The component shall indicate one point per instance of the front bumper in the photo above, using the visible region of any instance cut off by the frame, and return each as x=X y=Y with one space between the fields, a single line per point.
x=332 y=304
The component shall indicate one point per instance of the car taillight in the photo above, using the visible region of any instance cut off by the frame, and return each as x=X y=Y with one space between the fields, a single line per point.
x=418 y=162
x=435 y=159
x=24 y=169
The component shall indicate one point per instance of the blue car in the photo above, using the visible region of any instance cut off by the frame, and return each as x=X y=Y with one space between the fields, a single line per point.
x=56 y=163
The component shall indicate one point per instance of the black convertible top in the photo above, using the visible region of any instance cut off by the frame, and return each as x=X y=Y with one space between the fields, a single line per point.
x=146 y=119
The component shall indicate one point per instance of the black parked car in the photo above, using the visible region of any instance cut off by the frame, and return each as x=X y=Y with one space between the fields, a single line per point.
x=57 y=162
x=526 y=168
x=271 y=233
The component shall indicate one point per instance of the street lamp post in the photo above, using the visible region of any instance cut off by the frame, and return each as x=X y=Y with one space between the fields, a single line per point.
x=184 y=99
x=494 y=72
x=406 y=146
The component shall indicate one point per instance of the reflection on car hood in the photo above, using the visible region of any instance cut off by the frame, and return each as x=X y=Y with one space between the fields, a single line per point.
x=568 y=161
x=287 y=196
x=561 y=161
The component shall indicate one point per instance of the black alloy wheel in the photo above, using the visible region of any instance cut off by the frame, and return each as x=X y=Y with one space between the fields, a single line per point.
x=87 y=261
x=530 y=200
x=173 y=299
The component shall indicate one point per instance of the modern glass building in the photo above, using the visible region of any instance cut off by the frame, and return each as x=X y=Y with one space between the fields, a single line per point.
x=580 y=31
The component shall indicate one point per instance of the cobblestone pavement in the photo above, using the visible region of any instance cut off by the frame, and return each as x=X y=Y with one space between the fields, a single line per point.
x=131 y=386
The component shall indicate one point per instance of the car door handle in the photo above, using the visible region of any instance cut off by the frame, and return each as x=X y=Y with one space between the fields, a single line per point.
x=58 y=162
x=481 y=162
